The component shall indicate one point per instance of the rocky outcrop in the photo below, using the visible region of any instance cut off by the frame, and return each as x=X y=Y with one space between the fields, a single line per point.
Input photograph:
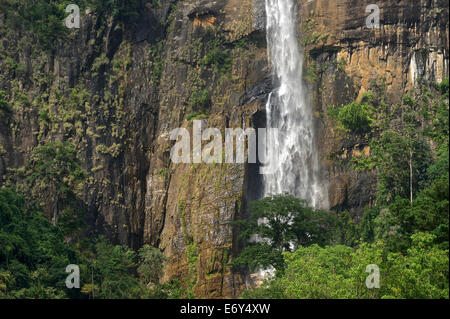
x=347 y=59
x=117 y=90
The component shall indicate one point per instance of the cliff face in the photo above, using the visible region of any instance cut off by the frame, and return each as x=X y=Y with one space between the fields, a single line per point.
x=348 y=59
x=116 y=91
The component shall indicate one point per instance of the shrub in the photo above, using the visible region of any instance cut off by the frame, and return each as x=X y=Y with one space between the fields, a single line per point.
x=200 y=100
x=356 y=117
x=219 y=58
x=45 y=19
x=195 y=116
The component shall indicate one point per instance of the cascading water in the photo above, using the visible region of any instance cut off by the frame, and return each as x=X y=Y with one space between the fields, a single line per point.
x=293 y=160
x=296 y=165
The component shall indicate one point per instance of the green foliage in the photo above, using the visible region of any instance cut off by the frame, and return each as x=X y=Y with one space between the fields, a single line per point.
x=157 y=62
x=288 y=222
x=44 y=18
x=355 y=117
x=109 y=272
x=195 y=116
x=339 y=272
x=429 y=212
x=55 y=169
x=439 y=130
x=367 y=230
x=111 y=269
x=219 y=58
x=345 y=229
x=412 y=185
x=200 y=101
x=123 y=10
x=405 y=234
x=288 y=219
x=312 y=71
x=396 y=155
x=258 y=256
x=157 y=69
x=33 y=254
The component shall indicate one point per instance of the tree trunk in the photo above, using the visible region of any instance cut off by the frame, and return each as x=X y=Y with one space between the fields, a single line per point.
x=410 y=175
x=55 y=209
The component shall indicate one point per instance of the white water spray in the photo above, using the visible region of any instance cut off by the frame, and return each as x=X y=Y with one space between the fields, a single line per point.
x=297 y=165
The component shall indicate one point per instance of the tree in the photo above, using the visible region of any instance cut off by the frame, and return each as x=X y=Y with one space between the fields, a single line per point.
x=428 y=212
x=358 y=118
x=258 y=256
x=367 y=224
x=281 y=223
x=111 y=272
x=151 y=265
x=402 y=165
x=339 y=272
x=54 y=169
x=33 y=254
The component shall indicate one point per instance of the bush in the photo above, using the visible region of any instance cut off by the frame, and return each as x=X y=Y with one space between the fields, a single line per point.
x=219 y=58
x=46 y=20
x=200 y=101
x=356 y=117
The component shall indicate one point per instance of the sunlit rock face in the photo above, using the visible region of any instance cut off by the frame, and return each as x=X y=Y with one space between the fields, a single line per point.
x=135 y=83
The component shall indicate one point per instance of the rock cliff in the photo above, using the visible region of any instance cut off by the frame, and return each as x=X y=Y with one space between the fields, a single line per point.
x=116 y=89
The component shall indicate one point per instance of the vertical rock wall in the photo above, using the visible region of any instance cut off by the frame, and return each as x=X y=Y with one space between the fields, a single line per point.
x=116 y=91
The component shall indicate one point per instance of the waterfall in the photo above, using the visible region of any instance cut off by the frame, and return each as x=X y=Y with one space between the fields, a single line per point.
x=296 y=164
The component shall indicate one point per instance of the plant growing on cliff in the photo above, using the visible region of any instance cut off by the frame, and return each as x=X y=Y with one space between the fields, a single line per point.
x=355 y=117
x=196 y=116
x=123 y=10
x=200 y=101
x=218 y=57
x=43 y=18
x=4 y=105
x=54 y=172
